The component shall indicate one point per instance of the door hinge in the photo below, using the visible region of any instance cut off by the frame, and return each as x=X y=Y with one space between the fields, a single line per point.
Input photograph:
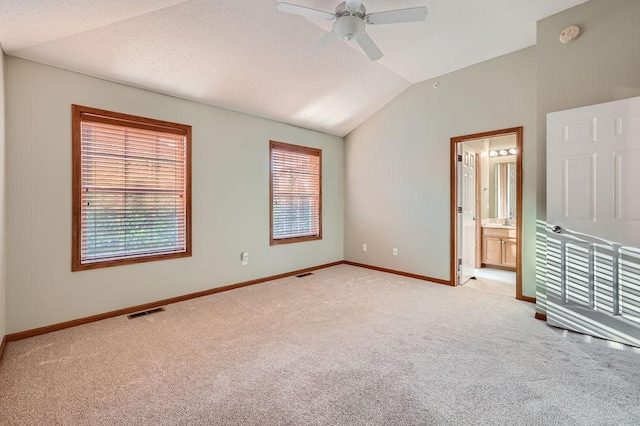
x=459 y=209
x=460 y=158
x=459 y=262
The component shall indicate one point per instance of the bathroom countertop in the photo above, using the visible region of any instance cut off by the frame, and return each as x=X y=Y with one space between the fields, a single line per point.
x=498 y=225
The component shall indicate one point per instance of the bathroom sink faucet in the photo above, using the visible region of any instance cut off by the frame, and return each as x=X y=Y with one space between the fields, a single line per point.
x=508 y=217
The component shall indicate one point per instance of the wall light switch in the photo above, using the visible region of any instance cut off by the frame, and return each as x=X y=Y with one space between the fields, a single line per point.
x=364 y=247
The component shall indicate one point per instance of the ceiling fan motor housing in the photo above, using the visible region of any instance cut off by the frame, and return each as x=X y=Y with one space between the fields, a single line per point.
x=349 y=24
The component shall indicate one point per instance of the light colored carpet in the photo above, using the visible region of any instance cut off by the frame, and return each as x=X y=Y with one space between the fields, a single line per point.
x=345 y=346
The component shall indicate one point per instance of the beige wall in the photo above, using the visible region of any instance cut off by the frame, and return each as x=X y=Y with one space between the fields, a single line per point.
x=397 y=185
x=230 y=200
x=602 y=65
x=2 y=204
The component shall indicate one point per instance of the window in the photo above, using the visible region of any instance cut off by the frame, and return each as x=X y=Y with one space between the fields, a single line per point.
x=131 y=189
x=296 y=193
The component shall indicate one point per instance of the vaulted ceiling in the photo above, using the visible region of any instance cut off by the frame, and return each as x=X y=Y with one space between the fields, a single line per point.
x=246 y=56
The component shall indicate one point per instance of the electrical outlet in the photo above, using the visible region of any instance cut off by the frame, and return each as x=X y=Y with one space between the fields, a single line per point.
x=364 y=247
x=244 y=258
x=395 y=251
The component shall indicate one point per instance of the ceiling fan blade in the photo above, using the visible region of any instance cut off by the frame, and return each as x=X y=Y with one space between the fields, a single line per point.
x=369 y=46
x=305 y=11
x=353 y=4
x=320 y=44
x=414 y=14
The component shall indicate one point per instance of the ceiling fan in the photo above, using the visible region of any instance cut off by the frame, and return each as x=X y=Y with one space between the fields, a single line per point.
x=350 y=20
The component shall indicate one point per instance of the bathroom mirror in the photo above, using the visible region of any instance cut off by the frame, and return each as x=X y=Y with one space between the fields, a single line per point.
x=505 y=190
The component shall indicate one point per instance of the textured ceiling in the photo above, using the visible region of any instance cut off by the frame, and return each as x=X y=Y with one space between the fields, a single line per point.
x=246 y=56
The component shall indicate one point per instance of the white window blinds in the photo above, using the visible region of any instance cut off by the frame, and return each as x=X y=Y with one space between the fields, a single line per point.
x=295 y=193
x=133 y=184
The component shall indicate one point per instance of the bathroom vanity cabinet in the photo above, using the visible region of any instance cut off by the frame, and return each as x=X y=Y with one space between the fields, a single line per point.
x=499 y=246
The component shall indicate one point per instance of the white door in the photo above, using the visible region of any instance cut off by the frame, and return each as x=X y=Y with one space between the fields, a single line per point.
x=467 y=217
x=593 y=220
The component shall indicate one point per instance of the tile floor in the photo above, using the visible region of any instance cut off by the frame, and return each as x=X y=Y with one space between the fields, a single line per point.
x=494 y=281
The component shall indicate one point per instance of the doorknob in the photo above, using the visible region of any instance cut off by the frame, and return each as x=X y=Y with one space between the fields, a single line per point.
x=557 y=229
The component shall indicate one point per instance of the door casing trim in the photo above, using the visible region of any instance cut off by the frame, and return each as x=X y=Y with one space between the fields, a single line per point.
x=518 y=132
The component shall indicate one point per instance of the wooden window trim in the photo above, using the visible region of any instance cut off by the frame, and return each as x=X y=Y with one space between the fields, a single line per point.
x=82 y=113
x=303 y=150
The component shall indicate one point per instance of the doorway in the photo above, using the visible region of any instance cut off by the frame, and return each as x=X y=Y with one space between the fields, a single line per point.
x=477 y=240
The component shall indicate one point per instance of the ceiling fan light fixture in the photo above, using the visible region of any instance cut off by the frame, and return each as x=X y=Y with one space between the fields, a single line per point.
x=348 y=27
x=350 y=20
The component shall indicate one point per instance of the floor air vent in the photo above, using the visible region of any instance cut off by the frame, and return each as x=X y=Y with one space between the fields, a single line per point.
x=304 y=275
x=143 y=313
